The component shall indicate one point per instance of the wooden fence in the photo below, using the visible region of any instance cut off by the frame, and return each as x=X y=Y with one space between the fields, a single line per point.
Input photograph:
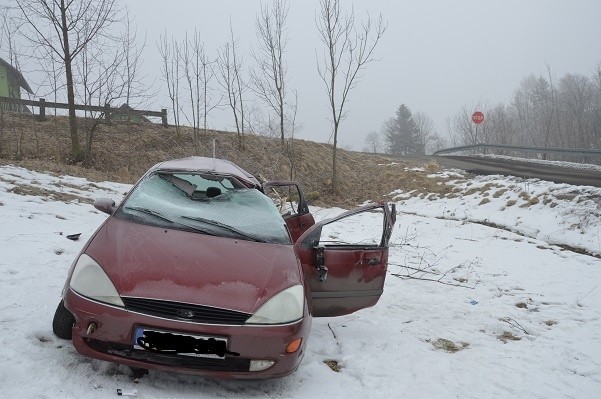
x=109 y=112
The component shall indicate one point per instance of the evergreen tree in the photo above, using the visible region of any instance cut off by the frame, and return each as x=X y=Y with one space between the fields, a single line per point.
x=402 y=134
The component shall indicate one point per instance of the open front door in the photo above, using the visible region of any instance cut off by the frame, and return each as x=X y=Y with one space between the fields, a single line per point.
x=290 y=200
x=344 y=262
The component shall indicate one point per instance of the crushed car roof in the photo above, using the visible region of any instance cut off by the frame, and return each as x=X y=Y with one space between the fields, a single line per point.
x=204 y=164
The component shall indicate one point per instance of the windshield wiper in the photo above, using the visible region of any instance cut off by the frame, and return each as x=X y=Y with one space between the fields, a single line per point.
x=150 y=212
x=160 y=216
x=224 y=226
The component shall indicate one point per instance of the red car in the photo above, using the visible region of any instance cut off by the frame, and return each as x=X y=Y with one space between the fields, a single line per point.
x=197 y=272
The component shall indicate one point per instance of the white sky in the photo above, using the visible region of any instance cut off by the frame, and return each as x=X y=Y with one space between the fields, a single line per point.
x=436 y=56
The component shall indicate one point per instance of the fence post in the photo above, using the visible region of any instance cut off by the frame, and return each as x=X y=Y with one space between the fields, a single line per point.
x=42 y=107
x=107 y=112
x=164 y=117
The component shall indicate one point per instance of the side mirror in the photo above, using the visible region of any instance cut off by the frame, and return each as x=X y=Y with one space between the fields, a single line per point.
x=105 y=205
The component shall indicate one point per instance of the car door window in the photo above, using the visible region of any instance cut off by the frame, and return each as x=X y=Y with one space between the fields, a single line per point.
x=350 y=232
x=289 y=199
x=285 y=198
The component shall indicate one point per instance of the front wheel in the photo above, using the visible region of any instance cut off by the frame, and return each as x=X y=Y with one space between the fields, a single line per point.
x=62 y=324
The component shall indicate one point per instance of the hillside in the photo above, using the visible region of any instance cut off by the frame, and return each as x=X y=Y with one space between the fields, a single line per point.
x=123 y=151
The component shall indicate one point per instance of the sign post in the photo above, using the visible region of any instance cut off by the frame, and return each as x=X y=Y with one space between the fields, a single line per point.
x=477 y=118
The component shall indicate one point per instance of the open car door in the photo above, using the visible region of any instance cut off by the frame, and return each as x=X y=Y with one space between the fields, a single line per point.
x=345 y=263
x=290 y=200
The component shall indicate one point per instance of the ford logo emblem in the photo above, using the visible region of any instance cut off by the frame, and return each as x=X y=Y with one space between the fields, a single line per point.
x=186 y=314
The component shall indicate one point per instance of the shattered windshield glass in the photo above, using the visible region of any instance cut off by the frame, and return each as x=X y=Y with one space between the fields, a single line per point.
x=205 y=203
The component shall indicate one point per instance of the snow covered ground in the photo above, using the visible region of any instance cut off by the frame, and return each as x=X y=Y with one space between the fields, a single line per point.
x=485 y=298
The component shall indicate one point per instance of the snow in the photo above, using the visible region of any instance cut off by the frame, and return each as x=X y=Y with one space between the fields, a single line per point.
x=486 y=280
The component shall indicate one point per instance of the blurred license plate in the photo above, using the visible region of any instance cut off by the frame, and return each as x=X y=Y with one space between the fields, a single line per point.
x=179 y=343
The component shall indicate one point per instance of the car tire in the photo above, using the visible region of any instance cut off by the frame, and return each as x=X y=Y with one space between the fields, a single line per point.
x=62 y=324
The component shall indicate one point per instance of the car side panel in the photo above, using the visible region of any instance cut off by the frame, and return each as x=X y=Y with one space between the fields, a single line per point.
x=352 y=282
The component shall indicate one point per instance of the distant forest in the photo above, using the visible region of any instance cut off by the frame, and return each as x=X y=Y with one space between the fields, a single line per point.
x=542 y=113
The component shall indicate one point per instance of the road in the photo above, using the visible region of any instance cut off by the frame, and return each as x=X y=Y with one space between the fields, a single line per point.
x=525 y=169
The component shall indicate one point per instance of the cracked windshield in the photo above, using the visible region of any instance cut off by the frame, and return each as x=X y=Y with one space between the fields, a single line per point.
x=205 y=203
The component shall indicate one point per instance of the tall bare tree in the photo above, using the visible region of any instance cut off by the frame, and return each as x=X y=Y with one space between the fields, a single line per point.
x=198 y=70
x=229 y=64
x=349 y=47
x=269 y=79
x=135 y=87
x=8 y=30
x=577 y=99
x=102 y=79
x=66 y=27
x=170 y=59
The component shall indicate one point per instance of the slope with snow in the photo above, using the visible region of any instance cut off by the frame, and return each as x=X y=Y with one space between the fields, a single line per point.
x=485 y=298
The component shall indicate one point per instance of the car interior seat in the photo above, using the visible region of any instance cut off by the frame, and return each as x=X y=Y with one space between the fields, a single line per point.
x=213 y=192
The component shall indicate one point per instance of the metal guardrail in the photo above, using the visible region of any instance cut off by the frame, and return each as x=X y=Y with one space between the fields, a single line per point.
x=586 y=154
x=108 y=111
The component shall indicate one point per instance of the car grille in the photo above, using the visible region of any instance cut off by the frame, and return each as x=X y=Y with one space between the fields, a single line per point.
x=185 y=311
x=229 y=363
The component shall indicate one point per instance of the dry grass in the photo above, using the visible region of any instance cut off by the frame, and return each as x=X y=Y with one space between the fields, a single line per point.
x=333 y=365
x=449 y=346
x=123 y=151
x=507 y=336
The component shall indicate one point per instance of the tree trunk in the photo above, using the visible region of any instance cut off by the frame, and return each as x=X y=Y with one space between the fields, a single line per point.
x=334 y=176
x=75 y=149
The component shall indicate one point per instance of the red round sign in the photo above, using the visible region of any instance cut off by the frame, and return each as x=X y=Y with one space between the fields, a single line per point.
x=477 y=117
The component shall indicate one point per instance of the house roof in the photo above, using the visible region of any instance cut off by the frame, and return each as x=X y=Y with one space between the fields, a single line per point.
x=18 y=76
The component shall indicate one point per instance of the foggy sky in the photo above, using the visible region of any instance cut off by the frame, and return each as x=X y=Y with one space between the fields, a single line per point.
x=436 y=55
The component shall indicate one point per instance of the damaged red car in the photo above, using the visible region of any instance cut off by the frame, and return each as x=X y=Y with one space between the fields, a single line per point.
x=202 y=269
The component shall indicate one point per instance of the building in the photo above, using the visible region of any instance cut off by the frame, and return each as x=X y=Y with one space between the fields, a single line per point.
x=11 y=82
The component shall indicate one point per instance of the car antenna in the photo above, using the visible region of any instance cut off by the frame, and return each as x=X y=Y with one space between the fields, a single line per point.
x=214 y=145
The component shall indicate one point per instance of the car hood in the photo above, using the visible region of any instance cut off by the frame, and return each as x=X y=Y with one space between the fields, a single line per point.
x=153 y=262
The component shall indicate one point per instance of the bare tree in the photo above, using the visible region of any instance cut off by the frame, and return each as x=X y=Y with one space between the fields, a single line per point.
x=66 y=27
x=348 y=49
x=534 y=104
x=597 y=108
x=463 y=127
x=229 y=64
x=169 y=51
x=576 y=97
x=500 y=126
x=373 y=143
x=135 y=87
x=8 y=32
x=426 y=130
x=199 y=73
x=107 y=74
x=103 y=80
x=269 y=77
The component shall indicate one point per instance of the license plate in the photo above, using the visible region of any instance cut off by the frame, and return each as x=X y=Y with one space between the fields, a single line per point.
x=169 y=342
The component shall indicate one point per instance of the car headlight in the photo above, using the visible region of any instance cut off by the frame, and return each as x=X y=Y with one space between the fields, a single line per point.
x=285 y=307
x=89 y=280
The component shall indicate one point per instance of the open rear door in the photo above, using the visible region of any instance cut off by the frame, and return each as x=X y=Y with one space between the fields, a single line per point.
x=345 y=262
x=290 y=200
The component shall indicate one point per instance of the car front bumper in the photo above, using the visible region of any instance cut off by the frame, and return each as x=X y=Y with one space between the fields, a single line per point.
x=112 y=339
